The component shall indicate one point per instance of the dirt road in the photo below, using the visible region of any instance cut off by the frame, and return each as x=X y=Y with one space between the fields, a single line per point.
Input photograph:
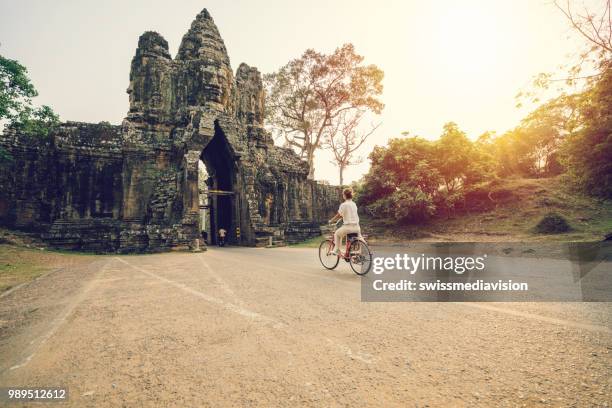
x=258 y=327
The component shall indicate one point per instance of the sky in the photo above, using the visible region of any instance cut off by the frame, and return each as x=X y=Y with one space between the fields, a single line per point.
x=453 y=60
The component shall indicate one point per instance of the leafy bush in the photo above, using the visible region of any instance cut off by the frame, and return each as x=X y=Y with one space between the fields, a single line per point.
x=412 y=179
x=552 y=223
x=406 y=205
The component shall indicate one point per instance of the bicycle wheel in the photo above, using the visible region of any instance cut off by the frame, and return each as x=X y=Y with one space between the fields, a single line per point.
x=328 y=260
x=360 y=257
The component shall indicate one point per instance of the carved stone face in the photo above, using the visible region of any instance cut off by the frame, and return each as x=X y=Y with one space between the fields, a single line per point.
x=214 y=80
x=222 y=84
x=250 y=103
x=149 y=90
x=205 y=75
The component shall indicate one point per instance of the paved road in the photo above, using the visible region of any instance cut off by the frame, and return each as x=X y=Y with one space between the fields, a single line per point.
x=269 y=327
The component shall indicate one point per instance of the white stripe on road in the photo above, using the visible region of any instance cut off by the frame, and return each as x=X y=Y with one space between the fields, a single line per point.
x=224 y=285
x=229 y=306
x=363 y=357
x=342 y=348
x=61 y=319
x=546 y=319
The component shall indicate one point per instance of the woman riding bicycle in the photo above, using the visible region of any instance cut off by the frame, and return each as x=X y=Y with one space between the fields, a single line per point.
x=350 y=220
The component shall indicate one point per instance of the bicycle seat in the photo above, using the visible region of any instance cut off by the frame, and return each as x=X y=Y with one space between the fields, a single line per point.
x=352 y=236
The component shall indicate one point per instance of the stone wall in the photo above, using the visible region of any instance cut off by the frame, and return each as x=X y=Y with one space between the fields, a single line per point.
x=73 y=176
x=134 y=187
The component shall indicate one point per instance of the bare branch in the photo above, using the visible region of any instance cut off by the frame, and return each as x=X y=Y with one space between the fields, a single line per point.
x=593 y=37
x=311 y=95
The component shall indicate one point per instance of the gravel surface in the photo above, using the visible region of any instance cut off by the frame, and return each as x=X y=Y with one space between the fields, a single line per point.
x=270 y=327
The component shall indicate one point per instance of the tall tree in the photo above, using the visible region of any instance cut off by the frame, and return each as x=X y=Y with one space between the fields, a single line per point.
x=344 y=139
x=309 y=95
x=532 y=148
x=16 y=90
x=16 y=109
x=16 y=93
x=587 y=151
x=458 y=160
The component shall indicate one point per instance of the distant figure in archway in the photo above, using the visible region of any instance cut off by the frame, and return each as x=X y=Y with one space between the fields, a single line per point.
x=222 y=234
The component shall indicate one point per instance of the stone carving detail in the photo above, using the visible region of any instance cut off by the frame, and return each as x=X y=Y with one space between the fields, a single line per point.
x=134 y=187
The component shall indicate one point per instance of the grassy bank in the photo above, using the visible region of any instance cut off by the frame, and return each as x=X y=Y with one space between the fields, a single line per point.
x=514 y=207
x=507 y=210
x=310 y=243
x=20 y=264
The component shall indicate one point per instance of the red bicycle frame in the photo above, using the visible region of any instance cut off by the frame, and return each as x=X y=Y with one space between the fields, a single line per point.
x=344 y=255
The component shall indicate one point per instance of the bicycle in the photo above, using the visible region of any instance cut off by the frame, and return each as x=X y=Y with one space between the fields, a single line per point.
x=357 y=253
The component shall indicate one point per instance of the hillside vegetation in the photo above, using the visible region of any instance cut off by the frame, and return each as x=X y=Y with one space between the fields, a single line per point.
x=549 y=178
x=508 y=210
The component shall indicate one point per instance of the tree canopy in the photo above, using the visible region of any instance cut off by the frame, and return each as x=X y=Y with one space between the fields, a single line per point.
x=412 y=178
x=307 y=97
x=16 y=108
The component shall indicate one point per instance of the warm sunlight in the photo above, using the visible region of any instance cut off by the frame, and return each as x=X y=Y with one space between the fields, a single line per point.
x=469 y=38
x=320 y=203
x=444 y=60
x=472 y=45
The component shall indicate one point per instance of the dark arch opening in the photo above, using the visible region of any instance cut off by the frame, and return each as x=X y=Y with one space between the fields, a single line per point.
x=217 y=192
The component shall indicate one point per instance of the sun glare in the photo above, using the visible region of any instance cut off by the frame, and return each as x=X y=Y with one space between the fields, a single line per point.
x=471 y=40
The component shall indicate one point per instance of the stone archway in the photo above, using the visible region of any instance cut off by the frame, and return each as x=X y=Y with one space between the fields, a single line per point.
x=221 y=188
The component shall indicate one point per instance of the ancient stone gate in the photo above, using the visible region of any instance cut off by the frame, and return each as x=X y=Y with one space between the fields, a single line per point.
x=135 y=187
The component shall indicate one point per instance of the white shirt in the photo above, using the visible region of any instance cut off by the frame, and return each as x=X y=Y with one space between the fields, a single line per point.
x=348 y=211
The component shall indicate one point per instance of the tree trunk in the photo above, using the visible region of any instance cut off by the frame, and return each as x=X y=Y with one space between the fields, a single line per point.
x=341 y=169
x=310 y=159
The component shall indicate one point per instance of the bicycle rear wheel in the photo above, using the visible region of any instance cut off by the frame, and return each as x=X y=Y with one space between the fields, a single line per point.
x=328 y=260
x=360 y=257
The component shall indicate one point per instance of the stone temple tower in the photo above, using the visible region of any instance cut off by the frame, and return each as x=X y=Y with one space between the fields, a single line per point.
x=136 y=187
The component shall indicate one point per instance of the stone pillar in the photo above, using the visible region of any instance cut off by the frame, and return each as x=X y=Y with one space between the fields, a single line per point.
x=191 y=199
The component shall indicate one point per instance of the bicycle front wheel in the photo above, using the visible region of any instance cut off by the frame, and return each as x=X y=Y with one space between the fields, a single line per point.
x=328 y=260
x=360 y=257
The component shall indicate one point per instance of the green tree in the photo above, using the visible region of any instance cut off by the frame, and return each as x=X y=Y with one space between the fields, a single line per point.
x=36 y=121
x=532 y=148
x=544 y=129
x=307 y=97
x=402 y=183
x=458 y=159
x=393 y=165
x=413 y=179
x=16 y=90
x=587 y=151
x=16 y=109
